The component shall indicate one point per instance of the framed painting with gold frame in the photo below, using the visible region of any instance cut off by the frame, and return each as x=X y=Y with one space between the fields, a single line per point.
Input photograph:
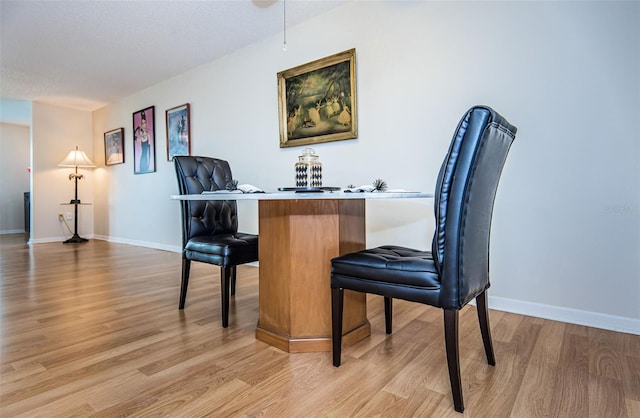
x=317 y=101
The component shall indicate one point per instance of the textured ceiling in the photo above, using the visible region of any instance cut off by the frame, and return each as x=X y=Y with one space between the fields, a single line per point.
x=86 y=53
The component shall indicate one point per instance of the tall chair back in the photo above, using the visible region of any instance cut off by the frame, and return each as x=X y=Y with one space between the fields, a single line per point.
x=464 y=199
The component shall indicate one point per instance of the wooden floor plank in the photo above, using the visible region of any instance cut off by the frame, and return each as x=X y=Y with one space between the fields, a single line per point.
x=536 y=392
x=571 y=389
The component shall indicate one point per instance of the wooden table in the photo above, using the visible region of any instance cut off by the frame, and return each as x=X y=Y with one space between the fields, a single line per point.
x=299 y=235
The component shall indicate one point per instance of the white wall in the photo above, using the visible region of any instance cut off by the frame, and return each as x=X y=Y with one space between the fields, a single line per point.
x=566 y=232
x=16 y=112
x=55 y=132
x=14 y=177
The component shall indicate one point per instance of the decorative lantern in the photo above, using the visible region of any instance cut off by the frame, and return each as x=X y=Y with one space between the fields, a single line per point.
x=308 y=169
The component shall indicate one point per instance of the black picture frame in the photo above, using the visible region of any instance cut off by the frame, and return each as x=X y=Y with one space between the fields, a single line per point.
x=178 y=128
x=144 y=141
x=114 y=147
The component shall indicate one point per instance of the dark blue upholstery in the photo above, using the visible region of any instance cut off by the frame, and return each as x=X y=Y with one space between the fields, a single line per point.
x=210 y=228
x=456 y=270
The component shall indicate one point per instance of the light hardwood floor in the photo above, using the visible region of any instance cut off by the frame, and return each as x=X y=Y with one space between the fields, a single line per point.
x=94 y=330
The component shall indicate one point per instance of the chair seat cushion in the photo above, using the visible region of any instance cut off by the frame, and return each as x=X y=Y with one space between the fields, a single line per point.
x=390 y=264
x=223 y=249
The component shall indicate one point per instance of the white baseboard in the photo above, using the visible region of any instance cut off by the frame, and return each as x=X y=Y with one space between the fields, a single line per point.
x=155 y=245
x=538 y=310
x=59 y=239
x=12 y=231
x=136 y=243
x=571 y=316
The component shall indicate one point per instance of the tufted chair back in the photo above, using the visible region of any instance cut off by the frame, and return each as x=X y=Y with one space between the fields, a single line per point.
x=198 y=174
x=464 y=198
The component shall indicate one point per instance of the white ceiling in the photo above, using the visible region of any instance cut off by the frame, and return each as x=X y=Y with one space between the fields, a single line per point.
x=84 y=54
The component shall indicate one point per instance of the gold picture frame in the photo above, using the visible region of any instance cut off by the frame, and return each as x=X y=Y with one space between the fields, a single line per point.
x=317 y=101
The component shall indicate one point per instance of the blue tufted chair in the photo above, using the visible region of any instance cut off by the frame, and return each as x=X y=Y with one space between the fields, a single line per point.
x=210 y=228
x=456 y=270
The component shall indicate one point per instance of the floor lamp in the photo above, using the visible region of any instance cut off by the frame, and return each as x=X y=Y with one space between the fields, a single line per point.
x=76 y=158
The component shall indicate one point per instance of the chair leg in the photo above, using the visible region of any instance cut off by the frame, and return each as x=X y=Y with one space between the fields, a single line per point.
x=388 y=314
x=233 y=280
x=186 y=267
x=483 y=318
x=337 y=300
x=225 y=289
x=453 y=357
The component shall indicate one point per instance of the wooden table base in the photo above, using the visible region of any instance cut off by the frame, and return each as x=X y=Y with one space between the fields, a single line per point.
x=298 y=239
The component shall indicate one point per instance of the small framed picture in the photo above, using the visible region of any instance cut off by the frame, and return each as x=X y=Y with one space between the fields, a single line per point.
x=178 y=137
x=144 y=141
x=114 y=147
x=317 y=101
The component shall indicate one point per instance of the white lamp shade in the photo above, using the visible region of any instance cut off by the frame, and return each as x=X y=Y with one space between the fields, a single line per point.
x=76 y=158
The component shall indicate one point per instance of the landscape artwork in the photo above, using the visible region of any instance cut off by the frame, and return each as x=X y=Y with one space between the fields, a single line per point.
x=317 y=101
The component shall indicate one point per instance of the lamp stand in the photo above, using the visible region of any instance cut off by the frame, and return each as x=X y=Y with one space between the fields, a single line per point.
x=75 y=202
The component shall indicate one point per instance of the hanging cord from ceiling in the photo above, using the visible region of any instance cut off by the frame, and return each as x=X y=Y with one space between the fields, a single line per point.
x=284 y=24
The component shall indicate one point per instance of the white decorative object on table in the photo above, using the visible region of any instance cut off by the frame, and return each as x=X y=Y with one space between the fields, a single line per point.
x=308 y=169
